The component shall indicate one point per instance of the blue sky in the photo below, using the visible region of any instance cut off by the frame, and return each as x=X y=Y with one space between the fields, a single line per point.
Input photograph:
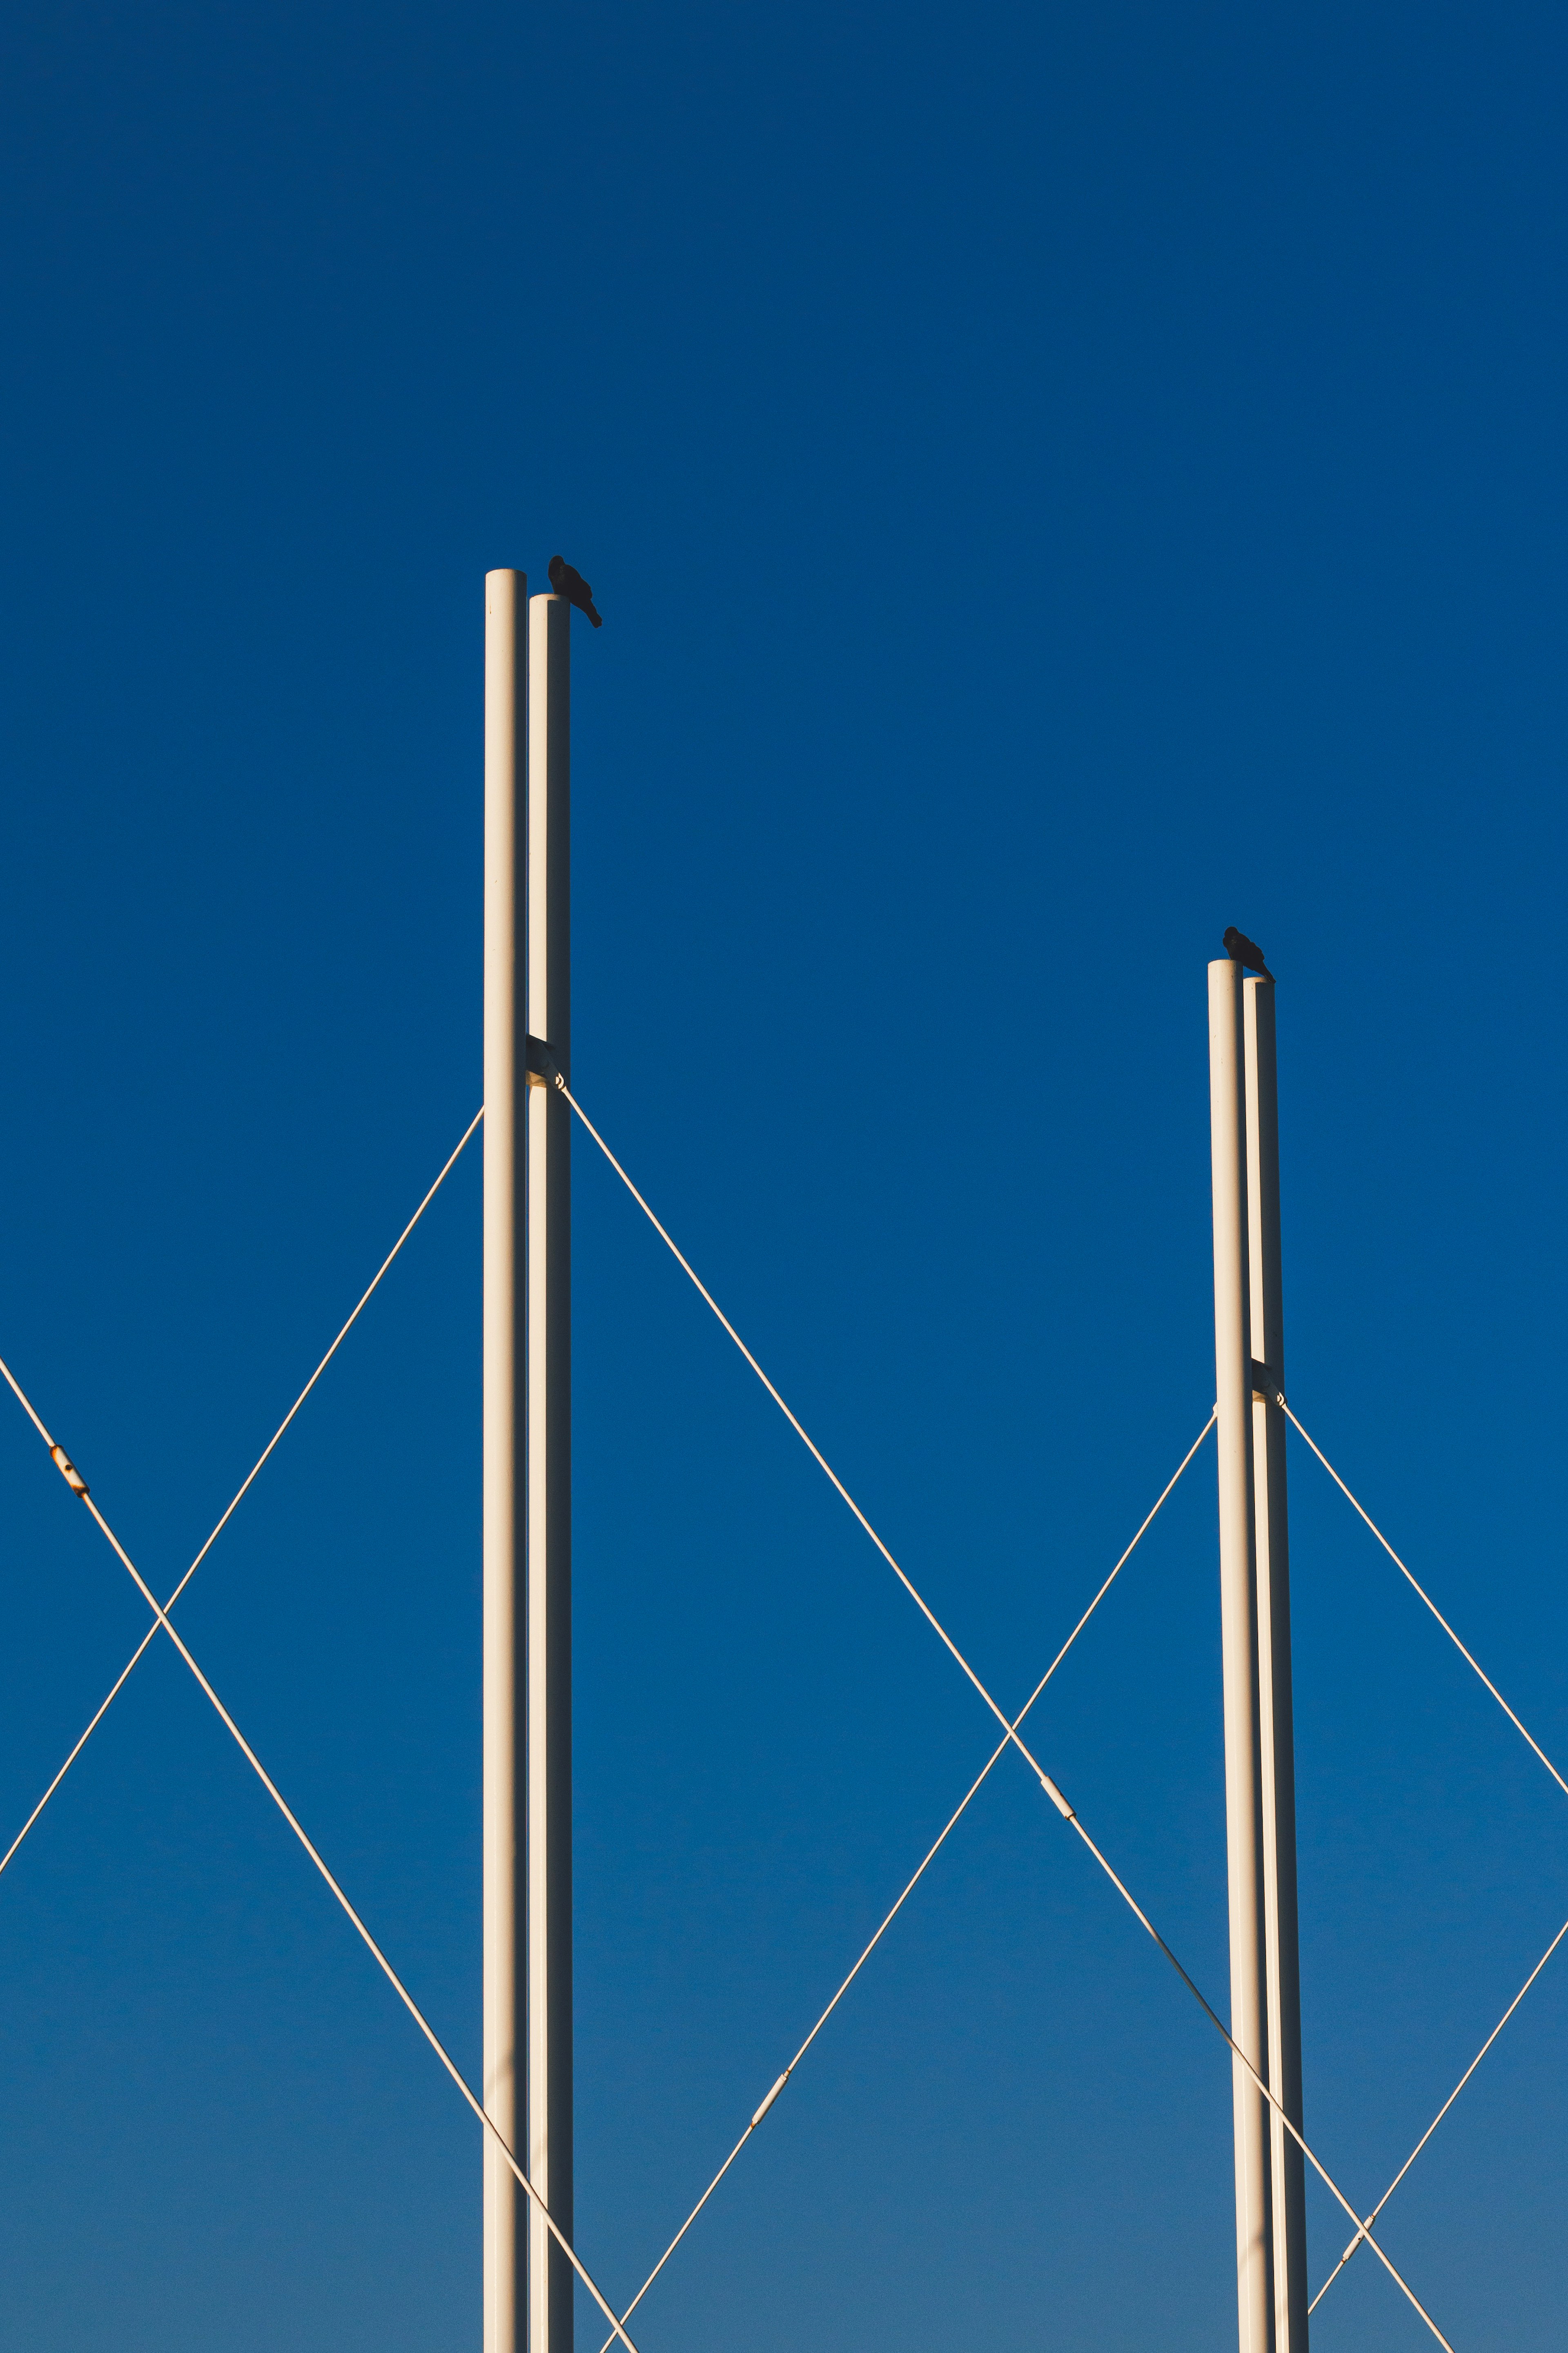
x=1057 y=482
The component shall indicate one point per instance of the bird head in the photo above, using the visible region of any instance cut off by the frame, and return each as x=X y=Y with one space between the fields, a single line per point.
x=556 y=567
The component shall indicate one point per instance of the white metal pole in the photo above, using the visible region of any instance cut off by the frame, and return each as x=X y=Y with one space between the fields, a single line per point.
x=505 y=1083
x=548 y=1638
x=1277 y=1747
x=1238 y=1624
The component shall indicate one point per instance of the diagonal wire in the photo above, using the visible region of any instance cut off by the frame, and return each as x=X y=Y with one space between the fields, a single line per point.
x=1438 y=2119
x=135 y=1658
x=800 y=1430
x=1321 y=2171
x=913 y=1881
x=448 y=2063
x=1431 y=1605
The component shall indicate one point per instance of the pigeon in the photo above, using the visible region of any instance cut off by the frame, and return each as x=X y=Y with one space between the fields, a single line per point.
x=1241 y=950
x=568 y=582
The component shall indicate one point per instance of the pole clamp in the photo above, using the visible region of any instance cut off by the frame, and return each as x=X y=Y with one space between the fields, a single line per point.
x=1265 y=1383
x=543 y=1067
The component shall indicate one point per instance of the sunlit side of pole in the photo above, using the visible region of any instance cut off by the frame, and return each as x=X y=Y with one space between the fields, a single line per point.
x=505 y=1082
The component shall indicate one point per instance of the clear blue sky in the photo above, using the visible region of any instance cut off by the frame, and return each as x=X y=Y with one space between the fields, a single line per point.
x=1058 y=481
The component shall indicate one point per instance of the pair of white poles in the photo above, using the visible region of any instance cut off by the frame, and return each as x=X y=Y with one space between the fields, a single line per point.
x=527 y=1411
x=1255 y=1609
x=527 y=1476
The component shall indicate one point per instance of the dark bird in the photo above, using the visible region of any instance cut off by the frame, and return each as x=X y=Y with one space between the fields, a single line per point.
x=568 y=582
x=1241 y=950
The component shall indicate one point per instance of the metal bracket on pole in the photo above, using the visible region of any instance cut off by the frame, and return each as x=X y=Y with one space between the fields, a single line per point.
x=1266 y=1383
x=542 y=1070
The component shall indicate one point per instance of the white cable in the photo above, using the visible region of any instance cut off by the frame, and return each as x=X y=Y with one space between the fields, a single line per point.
x=294 y=1824
x=1438 y=2119
x=135 y=1656
x=913 y=1881
x=1431 y=1605
x=1068 y=1814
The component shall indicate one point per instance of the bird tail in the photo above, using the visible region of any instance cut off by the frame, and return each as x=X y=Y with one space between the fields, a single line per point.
x=593 y=615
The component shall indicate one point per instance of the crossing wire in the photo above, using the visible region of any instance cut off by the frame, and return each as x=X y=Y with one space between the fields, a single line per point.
x=79 y=1487
x=134 y=1660
x=1010 y=1731
x=913 y=1882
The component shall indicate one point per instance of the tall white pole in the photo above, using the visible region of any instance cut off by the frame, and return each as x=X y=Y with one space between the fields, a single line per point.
x=548 y=2091
x=505 y=1080
x=1265 y=1307
x=1238 y=1625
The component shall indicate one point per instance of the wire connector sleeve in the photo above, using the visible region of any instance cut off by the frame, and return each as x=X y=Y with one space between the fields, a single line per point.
x=69 y=1471
x=773 y=2095
x=1057 y=1799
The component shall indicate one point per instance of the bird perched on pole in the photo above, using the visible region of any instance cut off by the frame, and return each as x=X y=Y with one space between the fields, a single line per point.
x=1241 y=950
x=568 y=582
